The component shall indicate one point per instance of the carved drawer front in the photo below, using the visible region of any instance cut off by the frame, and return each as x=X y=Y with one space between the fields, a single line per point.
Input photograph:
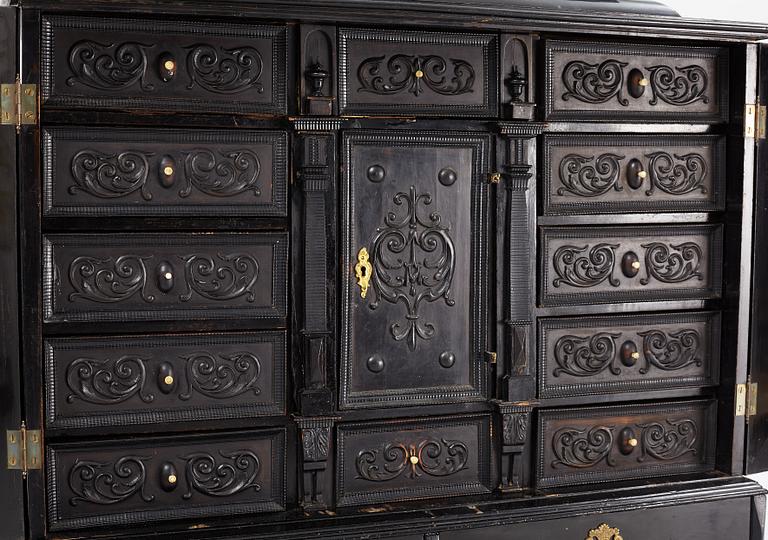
x=126 y=172
x=143 y=480
x=414 y=459
x=607 y=81
x=598 y=444
x=428 y=73
x=95 y=277
x=631 y=353
x=415 y=267
x=124 y=381
x=163 y=65
x=585 y=265
x=593 y=174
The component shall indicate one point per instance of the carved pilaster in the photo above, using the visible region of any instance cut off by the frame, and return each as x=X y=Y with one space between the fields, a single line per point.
x=515 y=428
x=316 y=435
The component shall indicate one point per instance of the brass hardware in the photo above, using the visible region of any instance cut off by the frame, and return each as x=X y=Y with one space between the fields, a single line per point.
x=495 y=178
x=415 y=460
x=168 y=380
x=24 y=449
x=170 y=65
x=746 y=399
x=18 y=104
x=168 y=275
x=761 y=131
x=635 y=355
x=172 y=478
x=604 y=532
x=167 y=170
x=491 y=357
x=643 y=82
x=755 y=120
x=363 y=271
x=636 y=265
x=632 y=442
x=642 y=175
x=419 y=74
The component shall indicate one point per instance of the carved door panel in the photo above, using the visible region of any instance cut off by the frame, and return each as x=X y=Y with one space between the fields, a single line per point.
x=414 y=323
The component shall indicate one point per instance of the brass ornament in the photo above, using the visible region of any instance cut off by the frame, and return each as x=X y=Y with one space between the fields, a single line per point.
x=604 y=532
x=363 y=271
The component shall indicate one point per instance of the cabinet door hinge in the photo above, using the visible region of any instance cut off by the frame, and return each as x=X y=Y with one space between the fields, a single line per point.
x=25 y=449
x=490 y=357
x=755 y=120
x=18 y=104
x=746 y=399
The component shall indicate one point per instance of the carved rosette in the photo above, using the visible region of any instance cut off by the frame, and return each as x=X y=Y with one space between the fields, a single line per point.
x=677 y=174
x=587 y=176
x=109 y=280
x=431 y=457
x=586 y=270
x=222 y=376
x=225 y=277
x=594 y=83
x=109 y=66
x=672 y=263
x=225 y=71
x=109 y=176
x=107 y=381
x=226 y=175
x=412 y=73
x=221 y=476
x=678 y=85
x=670 y=351
x=582 y=448
x=110 y=482
x=667 y=442
x=586 y=356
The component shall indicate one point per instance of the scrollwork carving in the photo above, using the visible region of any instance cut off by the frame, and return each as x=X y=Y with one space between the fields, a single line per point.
x=408 y=73
x=668 y=442
x=222 y=376
x=586 y=176
x=670 y=351
x=110 y=176
x=672 y=263
x=107 y=381
x=434 y=458
x=677 y=174
x=108 y=280
x=586 y=356
x=581 y=448
x=234 y=173
x=108 y=482
x=225 y=277
x=109 y=66
x=585 y=271
x=235 y=472
x=679 y=86
x=225 y=71
x=594 y=83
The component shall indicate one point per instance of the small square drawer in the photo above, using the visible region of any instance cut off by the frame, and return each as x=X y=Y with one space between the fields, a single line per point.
x=413 y=459
x=125 y=482
x=594 y=174
x=425 y=73
x=139 y=277
x=151 y=380
x=615 y=82
x=586 y=265
x=600 y=444
x=627 y=353
x=163 y=65
x=163 y=172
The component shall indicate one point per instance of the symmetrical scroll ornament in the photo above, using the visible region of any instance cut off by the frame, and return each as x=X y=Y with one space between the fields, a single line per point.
x=314 y=442
x=214 y=477
x=225 y=277
x=409 y=73
x=594 y=83
x=581 y=448
x=109 y=66
x=586 y=176
x=434 y=458
x=109 y=280
x=414 y=260
x=223 y=376
x=585 y=271
x=677 y=174
x=677 y=438
x=225 y=71
x=110 y=176
x=107 y=381
x=672 y=263
x=670 y=351
x=678 y=86
x=108 y=482
x=230 y=174
x=586 y=356
x=515 y=428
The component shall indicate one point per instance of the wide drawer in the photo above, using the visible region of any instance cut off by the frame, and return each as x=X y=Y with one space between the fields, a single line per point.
x=631 y=353
x=429 y=73
x=124 y=482
x=163 y=65
x=610 y=81
x=598 y=444
x=121 y=381
x=593 y=174
x=583 y=265
x=90 y=277
x=127 y=172
x=413 y=459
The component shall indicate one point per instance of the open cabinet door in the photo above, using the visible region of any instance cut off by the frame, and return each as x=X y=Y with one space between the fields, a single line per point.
x=11 y=472
x=756 y=459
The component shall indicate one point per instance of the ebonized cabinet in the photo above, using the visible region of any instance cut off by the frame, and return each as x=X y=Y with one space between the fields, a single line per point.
x=382 y=269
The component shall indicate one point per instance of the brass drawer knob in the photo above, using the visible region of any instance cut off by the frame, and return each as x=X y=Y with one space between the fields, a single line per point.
x=170 y=65
x=168 y=380
x=415 y=460
x=643 y=82
x=167 y=170
x=419 y=74
x=172 y=479
x=604 y=532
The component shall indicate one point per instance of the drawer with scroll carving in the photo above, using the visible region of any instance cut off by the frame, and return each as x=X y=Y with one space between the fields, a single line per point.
x=143 y=480
x=583 y=265
x=597 y=444
x=427 y=73
x=628 y=353
x=149 y=380
x=592 y=174
x=609 y=81
x=90 y=62
x=412 y=459
x=126 y=172
x=133 y=277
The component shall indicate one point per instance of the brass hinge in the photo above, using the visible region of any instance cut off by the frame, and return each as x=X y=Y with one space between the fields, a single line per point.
x=18 y=104
x=755 y=121
x=494 y=178
x=746 y=399
x=25 y=449
x=490 y=357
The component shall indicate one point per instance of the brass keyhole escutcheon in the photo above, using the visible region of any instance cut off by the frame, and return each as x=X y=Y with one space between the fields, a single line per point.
x=363 y=271
x=604 y=532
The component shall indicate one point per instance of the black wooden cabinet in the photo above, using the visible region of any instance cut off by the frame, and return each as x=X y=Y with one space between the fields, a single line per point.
x=409 y=270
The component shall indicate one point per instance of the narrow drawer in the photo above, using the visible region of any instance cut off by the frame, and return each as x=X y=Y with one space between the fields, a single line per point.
x=125 y=482
x=90 y=277
x=598 y=444
x=427 y=73
x=123 y=381
x=161 y=172
x=610 y=81
x=633 y=353
x=594 y=174
x=92 y=62
x=413 y=459
x=584 y=265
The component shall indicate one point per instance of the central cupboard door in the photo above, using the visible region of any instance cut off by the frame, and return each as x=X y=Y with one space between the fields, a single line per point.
x=415 y=279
